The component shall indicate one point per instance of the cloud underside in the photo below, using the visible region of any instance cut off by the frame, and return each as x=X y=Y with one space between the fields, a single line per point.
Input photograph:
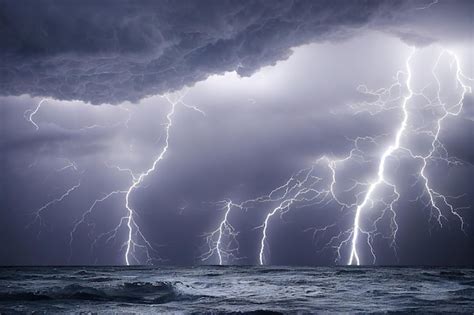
x=113 y=52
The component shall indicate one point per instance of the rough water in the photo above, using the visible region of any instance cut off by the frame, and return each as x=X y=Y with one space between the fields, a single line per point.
x=235 y=289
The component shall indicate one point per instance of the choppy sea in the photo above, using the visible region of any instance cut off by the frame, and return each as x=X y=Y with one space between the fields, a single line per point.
x=213 y=289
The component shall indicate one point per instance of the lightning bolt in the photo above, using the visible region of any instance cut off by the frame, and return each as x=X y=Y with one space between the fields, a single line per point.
x=215 y=239
x=225 y=229
x=29 y=114
x=70 y=164
x=86 y=214
x=381 y=170
x=305 y=188
x=434 y=198
x=129 y=219
x=135 y=238
x=316 y=185
x=39 y=211
x=295 y=193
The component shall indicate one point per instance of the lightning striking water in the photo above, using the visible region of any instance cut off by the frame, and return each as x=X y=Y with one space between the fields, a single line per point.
x=135 y=238
x=435 y=198
x=318 y=184
x=215 y=239
x=303 y=187
x=307 y=189
x=381 y=169
x=132 y=226
x=137 y=181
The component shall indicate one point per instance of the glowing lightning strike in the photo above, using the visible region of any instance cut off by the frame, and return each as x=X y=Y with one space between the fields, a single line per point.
x=284 y=205
x=30 y=113
x=224 y=229
x=86 y=214
x=433 y=195
x=294 y=189
x=138 y=180
x=381 y=169
x=305 y=189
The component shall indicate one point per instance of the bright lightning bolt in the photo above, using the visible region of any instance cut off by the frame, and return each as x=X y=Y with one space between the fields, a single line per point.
x=302 y=188
x=381 y=170
x=132 y=227
x=432 y=194
x=130 y=243
x=435 y=198
x=29 y=114
x=215 y=239
x=135 y=238
x=306 y=189
x=88 y=213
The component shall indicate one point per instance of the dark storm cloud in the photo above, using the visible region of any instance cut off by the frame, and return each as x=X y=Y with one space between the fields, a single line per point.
x=110 y=52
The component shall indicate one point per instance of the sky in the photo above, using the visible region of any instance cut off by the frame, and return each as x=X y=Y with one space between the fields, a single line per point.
x=229 y=132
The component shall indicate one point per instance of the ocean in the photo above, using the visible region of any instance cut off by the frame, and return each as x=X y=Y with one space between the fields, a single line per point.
x=239 y=289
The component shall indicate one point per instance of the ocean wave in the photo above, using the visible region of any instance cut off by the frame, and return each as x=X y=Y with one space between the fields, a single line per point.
x=353 y=271
x=466 y=292
x=272 y=270
x=455 y=274
x=248 y=289
x=128 y=292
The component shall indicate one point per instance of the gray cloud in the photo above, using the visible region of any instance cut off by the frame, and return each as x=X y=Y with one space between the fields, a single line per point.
x=108 y=53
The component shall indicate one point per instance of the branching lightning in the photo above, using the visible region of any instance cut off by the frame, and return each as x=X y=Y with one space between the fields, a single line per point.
x=303 y=187
x=135 y=238
x=137 y=181
x=83 y=219
x=381 y=174
x=215 y=239
x=435 y=199
x=370 y=202
x=307 y=189
x=38 y=213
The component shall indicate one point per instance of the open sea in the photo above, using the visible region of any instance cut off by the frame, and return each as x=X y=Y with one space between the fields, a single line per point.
x=214 y=289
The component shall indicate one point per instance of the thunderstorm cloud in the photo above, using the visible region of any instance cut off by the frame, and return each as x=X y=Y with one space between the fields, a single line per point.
x=104 y=52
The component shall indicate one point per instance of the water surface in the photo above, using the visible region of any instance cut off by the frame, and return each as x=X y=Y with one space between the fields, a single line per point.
x=235 y=289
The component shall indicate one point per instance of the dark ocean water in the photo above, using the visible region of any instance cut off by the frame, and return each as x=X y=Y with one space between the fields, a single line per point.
x=235 y=289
